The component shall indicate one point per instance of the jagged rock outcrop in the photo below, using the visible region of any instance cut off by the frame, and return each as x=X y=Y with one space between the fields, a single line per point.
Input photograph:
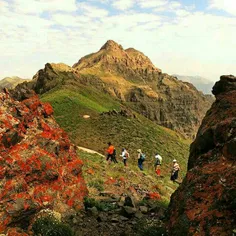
x=205 y=203
x=111 y=58
x=39 y=167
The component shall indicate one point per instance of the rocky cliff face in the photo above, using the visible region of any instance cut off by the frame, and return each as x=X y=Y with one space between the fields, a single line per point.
x=113 y=59
x=131 y=76
x=205 y=203
x=39 y=167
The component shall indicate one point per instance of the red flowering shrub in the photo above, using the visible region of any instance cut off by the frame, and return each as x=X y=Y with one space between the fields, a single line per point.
x=48 y=110
x=154 y=196
x=39 y=167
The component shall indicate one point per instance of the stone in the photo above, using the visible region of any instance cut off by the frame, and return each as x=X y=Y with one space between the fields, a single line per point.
x=115 y=220
x=143 y=209
x=93 y=211
x=138 y=215
x=122 y=218
x=120 y=204
x=227 y=83
x=129 y=211
x=74 y=221
x=106 y=194
x=129 y=201
x=102 y=217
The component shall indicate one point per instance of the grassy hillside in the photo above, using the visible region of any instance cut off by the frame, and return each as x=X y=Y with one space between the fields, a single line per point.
x=122 y=131
x=101 y=176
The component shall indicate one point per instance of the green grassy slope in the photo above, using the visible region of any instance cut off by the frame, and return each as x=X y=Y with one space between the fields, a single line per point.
x=132 y=133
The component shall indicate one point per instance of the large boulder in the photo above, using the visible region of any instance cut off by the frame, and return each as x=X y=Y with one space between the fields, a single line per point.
x=39 y=167
x=205 y=203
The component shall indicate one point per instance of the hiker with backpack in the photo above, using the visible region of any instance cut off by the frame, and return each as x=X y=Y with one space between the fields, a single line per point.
x=113 y=157
x=158 y=164
x=175 y=171
x=124 y=155
x=141 y=159
x=111 y=153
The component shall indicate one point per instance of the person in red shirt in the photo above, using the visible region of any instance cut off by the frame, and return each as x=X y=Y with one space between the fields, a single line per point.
x=111 y=153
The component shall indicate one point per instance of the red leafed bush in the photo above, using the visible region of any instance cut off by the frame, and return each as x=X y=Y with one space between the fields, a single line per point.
x=48 y=110
x=39 y=166
x=154 y=196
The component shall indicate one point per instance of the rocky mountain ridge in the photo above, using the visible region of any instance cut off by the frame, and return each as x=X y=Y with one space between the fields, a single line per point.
x=113 y=58
x=129 y=76
x=205 y=204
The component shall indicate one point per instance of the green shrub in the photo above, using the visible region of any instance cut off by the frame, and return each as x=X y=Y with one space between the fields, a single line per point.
x=49 y=226
x=101 y=206
x=98 y=184
x=153 y=231
x=147 y=227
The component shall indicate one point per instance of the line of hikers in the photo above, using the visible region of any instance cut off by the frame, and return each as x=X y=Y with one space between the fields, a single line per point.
x=111 y=156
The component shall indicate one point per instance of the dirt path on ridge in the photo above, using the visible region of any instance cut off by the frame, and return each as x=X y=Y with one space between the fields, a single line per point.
x=89 y=151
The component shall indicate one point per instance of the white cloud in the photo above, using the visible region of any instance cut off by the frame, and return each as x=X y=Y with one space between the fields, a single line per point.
x=40 y=6
x=65 y=20
x=123 y=4
x=183 y=42
x=225 y=5
x=4 y=6
x=171 y=7
x=152 y=3
x=92 y=11
x=181 y=12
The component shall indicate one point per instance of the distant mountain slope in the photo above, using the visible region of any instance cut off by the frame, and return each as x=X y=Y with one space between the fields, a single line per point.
x=11 y=82
x=202 y=84
x=128 y=76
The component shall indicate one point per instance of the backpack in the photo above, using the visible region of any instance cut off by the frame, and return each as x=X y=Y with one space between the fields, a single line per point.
x=114 y=152
x=142 y=156
x=126 y=154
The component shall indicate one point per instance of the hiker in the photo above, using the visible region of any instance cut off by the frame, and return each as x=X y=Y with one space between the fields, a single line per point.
x=113 y=157
x=125 y=155
x=141 y=158
x=158 y=164
x=111 y=153
x=175 y=171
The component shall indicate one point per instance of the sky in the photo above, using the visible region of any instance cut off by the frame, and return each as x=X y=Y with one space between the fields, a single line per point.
x=186 y=37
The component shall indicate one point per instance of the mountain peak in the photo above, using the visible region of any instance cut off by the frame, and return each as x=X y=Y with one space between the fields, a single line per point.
x=111 y=45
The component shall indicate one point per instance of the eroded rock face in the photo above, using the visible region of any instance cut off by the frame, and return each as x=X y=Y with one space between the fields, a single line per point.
x=205 y=203
x=39 y=167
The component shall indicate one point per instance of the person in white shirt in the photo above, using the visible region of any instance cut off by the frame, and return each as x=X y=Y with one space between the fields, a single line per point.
x=158 y=164
x=124 y=155
x=175 y=171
